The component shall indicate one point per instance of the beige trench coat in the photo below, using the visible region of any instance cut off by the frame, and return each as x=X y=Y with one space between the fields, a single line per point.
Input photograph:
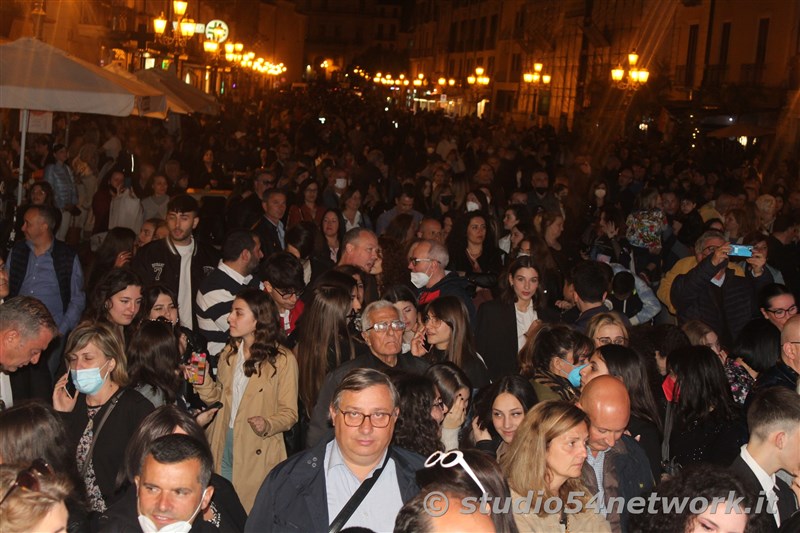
x=273 y=397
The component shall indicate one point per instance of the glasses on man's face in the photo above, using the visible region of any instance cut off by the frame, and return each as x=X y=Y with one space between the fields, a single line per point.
x=382 y=327
x=418 y=260
x=708 y=250
x=288 y=293
x=354 y=419
x=781 y=313
x=619 y=341
x=28 y=479
x=451 y=459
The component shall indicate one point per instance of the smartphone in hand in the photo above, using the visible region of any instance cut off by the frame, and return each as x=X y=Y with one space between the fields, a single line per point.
x=70 y=386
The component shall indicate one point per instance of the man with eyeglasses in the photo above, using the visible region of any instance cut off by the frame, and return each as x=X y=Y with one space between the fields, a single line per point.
x=716 y=291
x=427 y=260
x=786 y=371
x=241 y=253
x=382 y=331
x=282 y=275
x=309 y=491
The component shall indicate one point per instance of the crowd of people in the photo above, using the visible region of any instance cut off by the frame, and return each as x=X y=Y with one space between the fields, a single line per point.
x=275 y=322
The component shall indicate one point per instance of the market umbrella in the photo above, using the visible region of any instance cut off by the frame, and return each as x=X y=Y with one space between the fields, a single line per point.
x=35 y=75
x=741 y=129
x=181 y=97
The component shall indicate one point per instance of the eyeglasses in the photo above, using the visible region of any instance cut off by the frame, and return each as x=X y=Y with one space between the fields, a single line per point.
x=418 y=260
x=288 y=293
x=438 y=404
x=354 y=419
x=780 y=313
x=28 y=479
x=394 y=325
x=451 y=459
x=619 y=341
x=708 y=250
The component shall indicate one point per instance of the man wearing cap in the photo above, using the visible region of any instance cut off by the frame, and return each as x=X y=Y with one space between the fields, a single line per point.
x=60 y=177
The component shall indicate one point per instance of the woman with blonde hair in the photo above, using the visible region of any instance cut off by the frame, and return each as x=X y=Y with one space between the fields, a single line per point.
x=607 y=328
x=33 y=499
x=257 y=385
x=546 y=458
x=100 y=412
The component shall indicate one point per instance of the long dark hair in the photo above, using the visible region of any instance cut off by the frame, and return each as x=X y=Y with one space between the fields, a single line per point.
x=551 y=341
x=117 y=240
x=630 y=367
x=457 y=240
x=415 y=429
x=508 y=295
x=153 y=358
x=453 y=312
x=268 y=335
x=704 y=389
x=515 y=385
x=759 y=344
x=448 y=379
x=321 y=333
x=116 y=280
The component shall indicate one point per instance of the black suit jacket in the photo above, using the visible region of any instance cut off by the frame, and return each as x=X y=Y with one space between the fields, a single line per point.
x=787 y=504
x=496 y=336
x=268 y=234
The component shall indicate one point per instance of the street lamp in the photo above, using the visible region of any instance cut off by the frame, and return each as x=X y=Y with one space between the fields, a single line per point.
x=476 y=81
x=636 y=76
x=535 y=80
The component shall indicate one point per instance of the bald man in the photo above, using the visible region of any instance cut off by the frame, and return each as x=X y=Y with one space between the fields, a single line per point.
x=616 y=466
x=786 y=371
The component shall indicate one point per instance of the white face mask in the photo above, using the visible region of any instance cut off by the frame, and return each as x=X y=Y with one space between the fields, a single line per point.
x=420 y=279
x=473 y=206
x=183 y=526
x=600 y=193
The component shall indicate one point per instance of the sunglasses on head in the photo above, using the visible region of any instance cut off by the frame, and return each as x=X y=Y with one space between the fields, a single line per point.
x=28 y=479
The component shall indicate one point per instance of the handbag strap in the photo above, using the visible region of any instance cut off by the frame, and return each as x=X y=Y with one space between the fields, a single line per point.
x=113 y=403
x=358 y=497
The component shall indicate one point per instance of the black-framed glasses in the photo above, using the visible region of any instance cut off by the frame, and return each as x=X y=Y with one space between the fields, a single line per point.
x=619 y=341
x=354 y=419
x=28 y=479
x=288 y=293
x=394 y=325
x=438 y=403
x=780 y=313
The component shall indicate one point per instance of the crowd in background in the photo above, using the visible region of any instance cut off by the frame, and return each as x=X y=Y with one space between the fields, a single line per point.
x=460 y=282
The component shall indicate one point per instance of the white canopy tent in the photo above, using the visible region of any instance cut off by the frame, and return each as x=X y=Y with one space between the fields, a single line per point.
x=37 y=76
x=181 y=97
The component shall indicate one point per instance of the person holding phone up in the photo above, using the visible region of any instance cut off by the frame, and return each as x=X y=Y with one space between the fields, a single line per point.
x=257 y=385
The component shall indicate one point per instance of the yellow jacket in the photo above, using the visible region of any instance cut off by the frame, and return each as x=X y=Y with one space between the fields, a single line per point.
x=273 y=397
x=683 y=266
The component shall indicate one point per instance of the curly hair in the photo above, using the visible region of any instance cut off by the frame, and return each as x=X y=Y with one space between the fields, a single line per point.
x=268 y=335
x=394 y=263
x=698 y=481
x=416 y=430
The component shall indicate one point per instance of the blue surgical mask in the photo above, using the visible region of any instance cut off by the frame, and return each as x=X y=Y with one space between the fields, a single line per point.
x=574 y=376
x=88 y=380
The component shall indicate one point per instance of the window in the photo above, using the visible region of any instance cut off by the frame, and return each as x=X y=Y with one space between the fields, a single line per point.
x=490 y=66
x=482 y=35
x=761 y=44
x=492 y=33
x=691 y=54
x=516 y=66
x=724 y=44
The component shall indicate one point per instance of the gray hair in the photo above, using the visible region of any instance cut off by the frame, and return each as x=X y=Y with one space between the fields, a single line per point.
x=377 y=305
x=700 y=243
x=439 y=253
x=27 y=315
x=359 y=379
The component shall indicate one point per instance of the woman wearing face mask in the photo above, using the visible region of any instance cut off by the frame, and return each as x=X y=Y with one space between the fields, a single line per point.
x=98 y=370
x=552 y=359
x=257 y=385
x=117 y=302
x=502 y=325
x=447 y=331
x=499 y=410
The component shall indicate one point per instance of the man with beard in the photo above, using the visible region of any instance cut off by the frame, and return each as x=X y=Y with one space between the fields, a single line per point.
x=241 y=254
x=179 y=262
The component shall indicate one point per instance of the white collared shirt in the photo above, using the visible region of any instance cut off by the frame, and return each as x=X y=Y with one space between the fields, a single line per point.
x=766 y=481
x=239 y=383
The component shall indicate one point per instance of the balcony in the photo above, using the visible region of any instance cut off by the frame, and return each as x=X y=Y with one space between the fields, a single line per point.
x=752 y=73
x=715 y=75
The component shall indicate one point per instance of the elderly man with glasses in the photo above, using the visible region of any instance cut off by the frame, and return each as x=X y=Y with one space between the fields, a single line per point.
x=354 y=480
x=714 y=291
x=382 y=330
